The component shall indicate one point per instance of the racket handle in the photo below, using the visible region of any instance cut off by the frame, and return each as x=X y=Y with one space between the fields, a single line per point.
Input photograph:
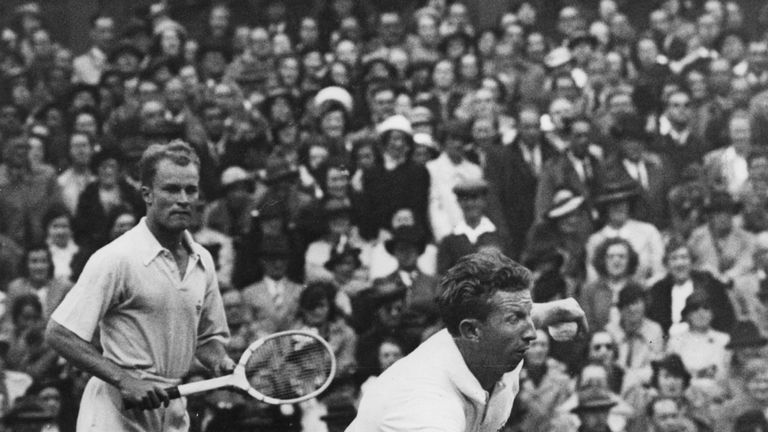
x=173 y=393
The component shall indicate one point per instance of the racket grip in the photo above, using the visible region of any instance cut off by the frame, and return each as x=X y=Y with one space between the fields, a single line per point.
x=173 y=393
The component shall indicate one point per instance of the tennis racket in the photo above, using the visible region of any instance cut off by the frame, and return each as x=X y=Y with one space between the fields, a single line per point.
x=282 y=368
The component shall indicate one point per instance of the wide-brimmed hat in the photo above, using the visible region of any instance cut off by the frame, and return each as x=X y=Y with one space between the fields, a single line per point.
x=619 y=188
x=337 y=256
x=545 y=253
x=274 y=247
x=278 y=170
x=396 y=122
x=745 y=334
x=471 y=187
x=564 y=202
x=335 y=94
x=408 y=234
x=593 y=398
x=720 y=202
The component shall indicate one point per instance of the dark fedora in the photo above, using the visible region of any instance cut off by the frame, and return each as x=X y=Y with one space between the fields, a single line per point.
x=274 y=247
x=27 y=411
x=408 y=234
x=541 y=254
x=720 y=202
x=564 y=202
x=594 y=398
x=278 y=170
x=339 y=256
x=619 y=188
x=745 y=334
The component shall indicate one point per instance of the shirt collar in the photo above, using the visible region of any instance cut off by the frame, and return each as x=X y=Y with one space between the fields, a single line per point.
x=485 y=226
x=152 y=248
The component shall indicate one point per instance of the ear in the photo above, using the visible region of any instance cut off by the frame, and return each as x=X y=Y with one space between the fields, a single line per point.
x=146 y=194
x=470 y=330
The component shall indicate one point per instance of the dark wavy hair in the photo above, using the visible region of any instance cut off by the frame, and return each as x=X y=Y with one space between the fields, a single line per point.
x=314 y=293
x=24 y=263
x=598 y=261
x=468 y=286
x=673 y=364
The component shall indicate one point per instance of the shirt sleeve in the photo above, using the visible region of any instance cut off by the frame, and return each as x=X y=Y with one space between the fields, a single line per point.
x=213 y=322
x=97 y=289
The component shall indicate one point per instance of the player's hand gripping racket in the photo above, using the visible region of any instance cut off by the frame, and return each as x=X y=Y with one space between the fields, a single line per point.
x=282 y=368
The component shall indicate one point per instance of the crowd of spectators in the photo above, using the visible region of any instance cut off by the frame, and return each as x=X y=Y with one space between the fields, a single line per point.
x=352 y=155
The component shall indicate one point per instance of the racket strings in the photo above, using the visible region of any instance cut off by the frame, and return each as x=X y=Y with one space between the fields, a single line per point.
x=288 y=367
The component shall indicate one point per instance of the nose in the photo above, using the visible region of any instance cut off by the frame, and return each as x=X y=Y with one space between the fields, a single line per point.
x=530 y=332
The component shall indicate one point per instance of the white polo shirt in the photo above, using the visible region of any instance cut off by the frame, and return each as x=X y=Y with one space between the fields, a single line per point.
x=432 y=390
x=149 y=317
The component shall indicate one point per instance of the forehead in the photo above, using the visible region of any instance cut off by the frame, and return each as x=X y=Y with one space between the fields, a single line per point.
x=507 y=301
x=602 y=338
x=169 y=172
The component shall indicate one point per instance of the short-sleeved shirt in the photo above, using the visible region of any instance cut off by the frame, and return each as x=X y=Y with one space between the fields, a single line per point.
x=432 y=390
x=149 y=317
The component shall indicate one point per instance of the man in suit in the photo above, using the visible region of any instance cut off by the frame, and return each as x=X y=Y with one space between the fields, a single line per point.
x=513 y=172
x=646 y=168
x=274 y=299
x=676 y=142
x=408 y=242
x=750 y=291
x=579 y=168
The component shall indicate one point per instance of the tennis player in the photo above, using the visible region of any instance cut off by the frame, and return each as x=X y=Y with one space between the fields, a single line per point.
x=466 y=377
x=154 y=297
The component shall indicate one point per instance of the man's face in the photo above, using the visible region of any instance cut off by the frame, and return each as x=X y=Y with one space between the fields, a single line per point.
x=213 y=121
x=152 y=118
x=80 y=149
x=258 y=42
x=443 y=75
x=616 y=260
x=175 y=98
x=484 y=104
x=274 y=267
x=397 y=146
x=383 y=104
x=679 y=108
x=172 y=194
x=406 y=254
x=666 y=415
x=740 y=133
x=632 y=315
x=473 y=206
x=389 y=353
x=679 y=264
x=632 y=149
x=219 y=20
x=337 y=182
x=670 y=385
x=594 y=420
x=580 y=131
x=601 y=348
x=507 y=332
x=618 y=213
x=308 y=32
x=390 y=28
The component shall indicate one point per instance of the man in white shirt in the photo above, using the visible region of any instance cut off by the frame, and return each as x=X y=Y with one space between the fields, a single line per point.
x=88 y=67
x=153 y=295
x=466 y=377
x=446 y=171
x=727 y=166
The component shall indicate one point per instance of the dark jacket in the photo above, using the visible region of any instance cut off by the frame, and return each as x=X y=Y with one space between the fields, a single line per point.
x=660 y=301
x=91 y=223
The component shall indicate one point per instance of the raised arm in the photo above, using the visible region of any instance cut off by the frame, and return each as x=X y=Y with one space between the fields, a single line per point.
x=558 y=312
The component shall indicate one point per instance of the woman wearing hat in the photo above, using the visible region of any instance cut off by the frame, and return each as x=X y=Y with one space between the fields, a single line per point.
x=701 y=348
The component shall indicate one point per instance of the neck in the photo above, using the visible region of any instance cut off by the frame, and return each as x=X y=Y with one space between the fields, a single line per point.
x=486 y=374
x=170 y=240
x=616 y=224
x=616 y=279
x=473 y=221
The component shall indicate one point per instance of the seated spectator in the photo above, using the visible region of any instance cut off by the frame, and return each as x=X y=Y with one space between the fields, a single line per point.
x=445 y=172
x=602 y=349
x=638 y=339
x=726 y=167
x=544 y=384
x=274 y=299
x=406 y=245
x=701 y=348
x=474 y=232
x=750 y=291
x=37 y=277
x=57 y=223
x=753 y=196
x=341 y=234
x=665 y=416
x=75 y=178
x=383 y=263
x=377 y=316
x=670 y=379
x=100 y=198
x=566 y=226
x=230 y=214
x=343 y=266
x=217 y=243
x=389 y=351
x=615 y=202
x=49 y=395
x=745 y=343
x=667 y=297
x=317 y=312
x=753 y=397
x=120 y=221
x=718 y=246
x=616 y=262
x=593 y=409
